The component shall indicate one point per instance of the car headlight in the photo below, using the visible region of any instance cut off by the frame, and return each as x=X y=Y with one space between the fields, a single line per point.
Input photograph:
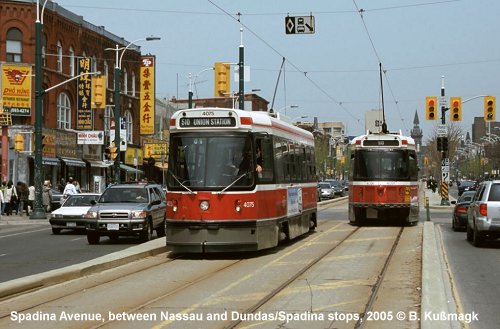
x=139 y=214
x=91 y=215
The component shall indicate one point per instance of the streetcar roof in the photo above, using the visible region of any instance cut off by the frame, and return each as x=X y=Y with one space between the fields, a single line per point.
x=226 y=119
x=402 y=140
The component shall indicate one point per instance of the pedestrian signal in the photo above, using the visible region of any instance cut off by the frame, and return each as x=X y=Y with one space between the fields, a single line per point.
x=430 y=107
x=456 y=109
x=490 y=108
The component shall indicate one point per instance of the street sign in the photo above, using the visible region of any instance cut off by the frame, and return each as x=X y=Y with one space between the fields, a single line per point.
x=299 y=25
x=442 y=130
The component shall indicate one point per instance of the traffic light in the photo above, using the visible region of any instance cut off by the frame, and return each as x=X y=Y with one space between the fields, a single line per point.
x=490 y=108
x=442 y=144
x=19 y=142
x=430 y=107
x=98 y=92
x=113 y=151
x=222 y=81
x=456 y=108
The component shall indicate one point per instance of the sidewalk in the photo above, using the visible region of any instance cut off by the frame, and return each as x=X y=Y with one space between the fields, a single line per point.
x=22 y=220
x=434 y=198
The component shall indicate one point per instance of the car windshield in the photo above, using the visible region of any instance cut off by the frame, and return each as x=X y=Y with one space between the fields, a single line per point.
x=324 y=185
x=494 y=193
x=78 y=200
x=122 y=195
x=466 y=197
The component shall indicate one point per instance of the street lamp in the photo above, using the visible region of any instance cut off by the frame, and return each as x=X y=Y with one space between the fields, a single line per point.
x=288 y=106
x=193 y=82
x=118 y=66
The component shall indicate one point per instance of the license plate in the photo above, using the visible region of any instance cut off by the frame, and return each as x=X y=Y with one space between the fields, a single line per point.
x=70 y=224
x=113 y=227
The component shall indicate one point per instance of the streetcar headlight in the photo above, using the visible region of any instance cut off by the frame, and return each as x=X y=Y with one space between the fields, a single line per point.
x=174 y=205
x=237 y=205
x=204 y=205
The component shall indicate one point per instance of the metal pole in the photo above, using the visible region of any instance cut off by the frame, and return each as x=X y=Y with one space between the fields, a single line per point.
x=241 y=68
x=444 y=154
x=117 y=119
x=38 y=211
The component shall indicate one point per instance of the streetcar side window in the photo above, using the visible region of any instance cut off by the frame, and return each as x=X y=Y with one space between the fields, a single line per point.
x=266 y=148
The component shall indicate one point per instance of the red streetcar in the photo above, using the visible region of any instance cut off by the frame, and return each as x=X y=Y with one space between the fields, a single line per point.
x=383 y=179
x=238 y=181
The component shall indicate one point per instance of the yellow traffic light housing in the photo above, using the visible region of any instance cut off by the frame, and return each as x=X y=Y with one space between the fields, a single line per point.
x=456 y=109
x=19 y=142
x=430 y=108
x=113 y=150
x=98 y=92
x=490 y=108
x=222 y=82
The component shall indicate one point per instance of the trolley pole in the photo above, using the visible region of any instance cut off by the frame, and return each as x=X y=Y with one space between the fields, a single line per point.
x=445 y=162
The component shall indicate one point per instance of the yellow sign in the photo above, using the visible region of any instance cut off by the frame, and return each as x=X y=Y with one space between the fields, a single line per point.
x=156 y=150
x=16 y=89
x=147 y=95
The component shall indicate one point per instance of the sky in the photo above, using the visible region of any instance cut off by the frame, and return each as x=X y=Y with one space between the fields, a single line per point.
x=332 y=74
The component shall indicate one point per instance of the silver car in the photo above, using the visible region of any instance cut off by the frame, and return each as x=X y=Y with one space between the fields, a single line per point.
x=326 y=191
x=483 y=216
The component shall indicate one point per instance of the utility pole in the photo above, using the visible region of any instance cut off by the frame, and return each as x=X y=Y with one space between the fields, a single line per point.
x=445 y=162
x=241 y=69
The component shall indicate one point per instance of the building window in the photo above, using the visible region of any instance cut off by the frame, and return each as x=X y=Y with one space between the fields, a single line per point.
x=63 y=112
x=125 y=81
x=59 y=57
x=94 y=64
x=71 y=62
x=130 y=125
x=14 y=45
x=133 y=84
x=106 y=76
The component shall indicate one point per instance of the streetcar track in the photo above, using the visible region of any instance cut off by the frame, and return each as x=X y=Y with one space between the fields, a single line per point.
x=378 y=283
x=285 y=284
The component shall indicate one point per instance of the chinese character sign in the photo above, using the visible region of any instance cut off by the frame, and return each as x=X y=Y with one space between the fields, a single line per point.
x=84 y=90
x=147 y=92
x=16 y=89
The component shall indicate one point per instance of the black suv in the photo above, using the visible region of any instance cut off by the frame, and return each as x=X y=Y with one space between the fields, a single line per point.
x=127 y=209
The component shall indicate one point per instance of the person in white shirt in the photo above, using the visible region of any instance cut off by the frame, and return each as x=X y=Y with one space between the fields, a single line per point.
x=69 y=189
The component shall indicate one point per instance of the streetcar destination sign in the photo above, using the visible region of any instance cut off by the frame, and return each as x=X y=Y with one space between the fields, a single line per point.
x=207 y=122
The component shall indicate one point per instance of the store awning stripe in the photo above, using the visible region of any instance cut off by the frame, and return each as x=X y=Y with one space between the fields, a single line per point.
x=73 y=162
x=130 y=169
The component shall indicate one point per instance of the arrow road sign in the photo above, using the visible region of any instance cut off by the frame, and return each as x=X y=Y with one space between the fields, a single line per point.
x=299 y=25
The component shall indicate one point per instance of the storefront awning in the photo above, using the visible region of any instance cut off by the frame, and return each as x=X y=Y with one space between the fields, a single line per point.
x=100 y=164
x=130 y=169
x=73 y=162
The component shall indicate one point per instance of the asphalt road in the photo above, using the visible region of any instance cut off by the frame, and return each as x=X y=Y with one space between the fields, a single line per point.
x=32 y=249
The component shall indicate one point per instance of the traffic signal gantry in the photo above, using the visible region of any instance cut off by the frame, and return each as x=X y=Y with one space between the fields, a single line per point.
x=456 y=108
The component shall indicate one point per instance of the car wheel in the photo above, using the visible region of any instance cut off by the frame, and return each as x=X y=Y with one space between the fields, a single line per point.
x=93 y=238
x=477 y=239
x=469 y=232
x=56 y=230
x=147 y=234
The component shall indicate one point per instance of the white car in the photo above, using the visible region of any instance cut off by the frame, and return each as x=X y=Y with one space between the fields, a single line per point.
x=71 y=213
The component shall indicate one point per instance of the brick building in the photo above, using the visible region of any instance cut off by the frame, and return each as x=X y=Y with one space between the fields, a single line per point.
x=66 y=40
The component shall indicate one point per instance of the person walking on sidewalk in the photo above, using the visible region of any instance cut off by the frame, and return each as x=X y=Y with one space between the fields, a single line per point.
x=69 y=189
x=2 y=202
x=10 y=198
x=31 y=199
x=3 y=189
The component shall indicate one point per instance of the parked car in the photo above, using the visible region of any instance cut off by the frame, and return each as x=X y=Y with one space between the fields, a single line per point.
x=326 y=191
x=55 y=199
x=338 y=188
x=466 y=185
x=127 y=209
x=71 y=213
x=483 y=216
x=459 y=217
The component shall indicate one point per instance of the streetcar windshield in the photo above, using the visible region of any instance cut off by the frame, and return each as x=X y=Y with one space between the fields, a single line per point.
x=374 y=165
x=210 y=162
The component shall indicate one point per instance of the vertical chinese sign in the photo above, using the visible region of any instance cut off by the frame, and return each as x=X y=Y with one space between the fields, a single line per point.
x=147 y=92
x=84 y=90
x=16 y=89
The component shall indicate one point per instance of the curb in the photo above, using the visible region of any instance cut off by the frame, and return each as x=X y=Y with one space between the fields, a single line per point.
x=45 y=279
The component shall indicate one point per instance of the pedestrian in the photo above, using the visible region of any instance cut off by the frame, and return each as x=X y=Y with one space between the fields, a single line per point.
x=3 y=189
x=22 y=192
x=46 y=196
x=69 y=189
x=31 y=198
x=62 y=185
x=2 y=202
x=10 y=198
x=77 y=187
